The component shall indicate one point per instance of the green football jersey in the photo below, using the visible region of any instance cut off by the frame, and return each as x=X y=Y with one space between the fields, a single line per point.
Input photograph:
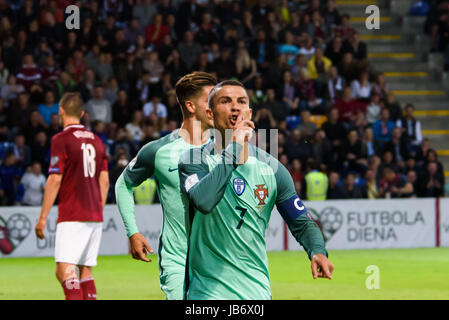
x=160 y=159
x=229 y=210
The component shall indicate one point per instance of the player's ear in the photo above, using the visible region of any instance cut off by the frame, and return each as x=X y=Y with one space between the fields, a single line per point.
x=190 y=106
x=61 y=111
x=209 y=114
x=82 y=114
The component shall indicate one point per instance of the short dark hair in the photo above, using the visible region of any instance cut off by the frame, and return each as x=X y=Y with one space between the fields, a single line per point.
x=190 y=85
x=213 y=92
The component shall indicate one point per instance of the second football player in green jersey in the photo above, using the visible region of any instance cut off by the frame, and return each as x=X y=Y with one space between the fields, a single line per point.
x=231 y=195
x=160 y=159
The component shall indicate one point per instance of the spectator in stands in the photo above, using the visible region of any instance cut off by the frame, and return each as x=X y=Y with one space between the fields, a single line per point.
x=331 y=15
x=318 y=65
x=22 y=152
x=296 y=170
x=383 y=128
x=189 y=50
x=307 y=50
x=155 y=32
x=411 y=128
x=348 y=107
x=371 y=189
x=357 y=47
x=334 y=191
x=224 y=66
x=55 y=125
x=348 y=67
x=33 y=182
x=351 y=153
x=380 y=86
x=49 y=107
x=288 y=94
x=370 y=147
x=361 y=87
x=262 y=50
x=398 y=148
x=412 y=177
x=431 y=182
x=345 y=30
x=98 y=107
x=276 y=107
x=315 y=183
x=11 y=90
x=20 y=112
x=264 y=119
x=394 y=107
x=421 y=153
x=30 y=73
x=289 y=48
x=335 y=84
x=306 y=126
x=297 y=148
x=335 y=131
x=335 y=50
x=245 y=66
x=432 y=156
x=351 y=190
x=64 y=84
x=144 y=11
x=134 y=128
x=373 y=108
x=308 y=95
x=322 y=150
x=394 y=185
x=122 y=109
x=10 y=174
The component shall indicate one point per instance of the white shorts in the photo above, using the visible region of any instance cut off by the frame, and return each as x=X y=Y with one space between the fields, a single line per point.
x=78 y=242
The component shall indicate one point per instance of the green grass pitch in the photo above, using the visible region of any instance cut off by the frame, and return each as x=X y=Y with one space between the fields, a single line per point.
x=404 y=274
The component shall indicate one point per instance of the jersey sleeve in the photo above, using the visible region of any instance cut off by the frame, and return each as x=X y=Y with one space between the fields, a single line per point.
x=142 y=166
x=294 y=213
x=206 y=188
x=137 y=171
x=58 y=156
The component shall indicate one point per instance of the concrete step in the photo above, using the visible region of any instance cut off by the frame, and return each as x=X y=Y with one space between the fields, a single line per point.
x=438 y=143
x=435 y=123
x=409 y=57
x=421 y=100
x=393 y=47
x=384 y=65
x=413 y=84
x=426 y=105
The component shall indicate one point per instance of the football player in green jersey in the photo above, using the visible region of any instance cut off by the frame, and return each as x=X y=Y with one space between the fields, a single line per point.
x=231 y=188
x=160 y=159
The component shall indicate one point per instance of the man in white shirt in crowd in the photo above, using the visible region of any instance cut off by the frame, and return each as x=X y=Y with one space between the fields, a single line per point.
x=34 y=182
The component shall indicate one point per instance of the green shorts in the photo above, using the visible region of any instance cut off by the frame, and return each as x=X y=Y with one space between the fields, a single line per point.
x=172 y=284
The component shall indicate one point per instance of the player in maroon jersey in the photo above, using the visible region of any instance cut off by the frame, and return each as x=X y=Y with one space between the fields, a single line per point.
x=78 y=173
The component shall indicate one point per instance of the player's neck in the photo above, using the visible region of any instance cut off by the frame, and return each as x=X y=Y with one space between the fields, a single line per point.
x=194 y=132
x=71 y=122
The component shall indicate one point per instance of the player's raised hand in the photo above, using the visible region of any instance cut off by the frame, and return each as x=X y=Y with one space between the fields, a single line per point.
x=40 y=227
x=321 y=267
x=140 y=247
x=243 y=132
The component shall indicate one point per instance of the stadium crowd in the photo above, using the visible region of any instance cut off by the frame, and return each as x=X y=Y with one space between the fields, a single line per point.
x=304 y=65
x=437 y=26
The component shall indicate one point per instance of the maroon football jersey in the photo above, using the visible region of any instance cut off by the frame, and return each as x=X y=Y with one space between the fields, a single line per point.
x=79 y=155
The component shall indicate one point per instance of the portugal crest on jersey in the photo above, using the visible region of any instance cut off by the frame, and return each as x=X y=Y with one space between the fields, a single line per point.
x=239 y=186
x=261 y=193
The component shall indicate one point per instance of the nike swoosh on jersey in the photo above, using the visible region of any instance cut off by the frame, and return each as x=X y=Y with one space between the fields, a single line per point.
x=171 y=169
